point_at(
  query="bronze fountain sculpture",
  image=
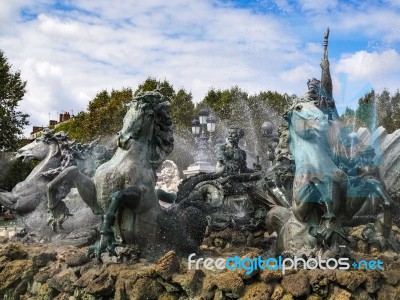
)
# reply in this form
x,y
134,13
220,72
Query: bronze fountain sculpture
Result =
x,y
312,193
122,189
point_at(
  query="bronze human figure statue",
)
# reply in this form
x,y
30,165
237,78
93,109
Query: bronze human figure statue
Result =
x,y
231,159
224,196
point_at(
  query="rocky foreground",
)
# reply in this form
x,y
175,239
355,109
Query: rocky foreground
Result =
x,y
48,271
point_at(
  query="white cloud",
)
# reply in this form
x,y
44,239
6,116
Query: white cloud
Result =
x,y
359,72
9,9
284,5
360,19
300,73
367,65
378,23
318,5
314,48
395,3
57,28
68,56
45,70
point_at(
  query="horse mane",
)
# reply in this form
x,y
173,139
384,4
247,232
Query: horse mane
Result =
x,y
162,142
49,135
90,155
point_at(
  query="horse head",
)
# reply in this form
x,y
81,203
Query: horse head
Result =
x,y
40,148
148,122
306,120
139,118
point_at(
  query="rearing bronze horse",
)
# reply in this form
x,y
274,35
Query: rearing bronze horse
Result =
x,y
123,188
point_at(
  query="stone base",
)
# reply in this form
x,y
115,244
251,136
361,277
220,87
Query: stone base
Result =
x,y
198,168
33,271
230,239
10,231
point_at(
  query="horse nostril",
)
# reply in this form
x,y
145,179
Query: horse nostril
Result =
x,y
118,133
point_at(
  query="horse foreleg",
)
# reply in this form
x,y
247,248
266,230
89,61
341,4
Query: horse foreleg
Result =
x,y
107,242
8,200
307,198
339,192
86,189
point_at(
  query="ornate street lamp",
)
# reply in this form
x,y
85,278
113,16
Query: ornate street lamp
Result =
x,y
204,124
211,120
202,128
195,127
203,114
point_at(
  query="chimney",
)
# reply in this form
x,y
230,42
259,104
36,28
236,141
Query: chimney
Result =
x,y
66,116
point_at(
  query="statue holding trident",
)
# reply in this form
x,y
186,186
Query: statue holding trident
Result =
x,y
320,91
325,90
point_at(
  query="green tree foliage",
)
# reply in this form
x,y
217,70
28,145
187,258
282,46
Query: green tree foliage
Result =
x,y
103,119
17,172
274,100
366,111
388,109
182,109
395,102
12,121
349,116
151,84
106,113
229,106
348,119
349,112
222,102
234,106
375,109
385,110
265,107
75,127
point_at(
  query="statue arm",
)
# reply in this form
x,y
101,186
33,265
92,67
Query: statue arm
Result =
x,y
326,89
326,80
220,152
221,159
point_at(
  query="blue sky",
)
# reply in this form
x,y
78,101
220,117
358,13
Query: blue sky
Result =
x,y
70,50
